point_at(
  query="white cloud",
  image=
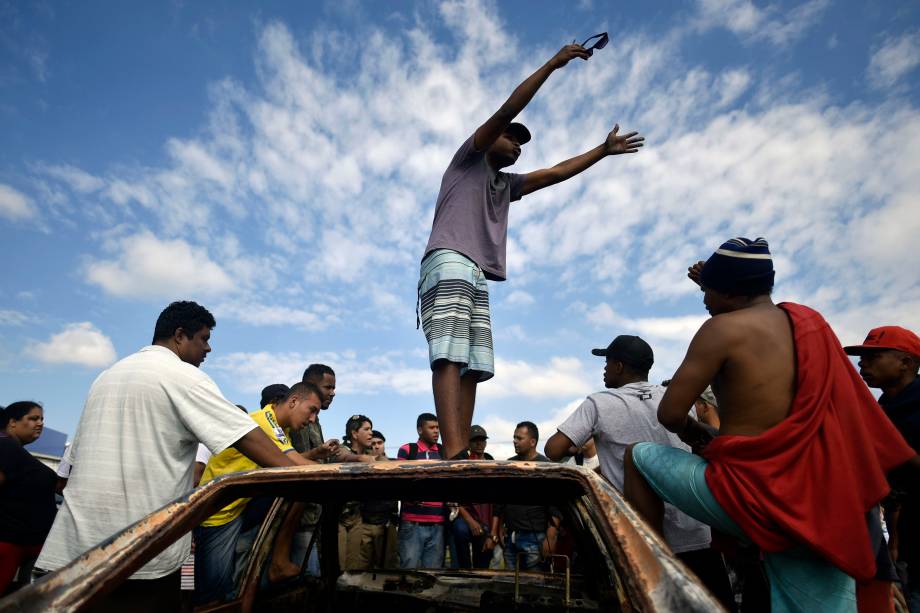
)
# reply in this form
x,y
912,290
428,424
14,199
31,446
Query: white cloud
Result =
x,y
76,178
146,266
558,377
377,373
273,315
15,205
78,343
9,317
745,19
897,56
518,298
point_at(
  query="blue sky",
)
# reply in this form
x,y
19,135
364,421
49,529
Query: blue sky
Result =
x,y
279,164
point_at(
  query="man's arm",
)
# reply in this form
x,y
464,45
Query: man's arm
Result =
x,y
327,449
558,447
704,358
256,446
488,133
614,145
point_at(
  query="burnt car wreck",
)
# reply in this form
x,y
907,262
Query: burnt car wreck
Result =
x,y
621,565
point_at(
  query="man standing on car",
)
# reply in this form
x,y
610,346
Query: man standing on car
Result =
x,y
467,246
134,451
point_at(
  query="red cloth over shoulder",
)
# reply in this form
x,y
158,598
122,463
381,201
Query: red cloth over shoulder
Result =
x,y
811,478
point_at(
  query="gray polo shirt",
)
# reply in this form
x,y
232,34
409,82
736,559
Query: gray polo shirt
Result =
x,y
621,416
471,215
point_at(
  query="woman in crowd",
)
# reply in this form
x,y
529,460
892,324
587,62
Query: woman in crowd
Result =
x,y
358,433
26,489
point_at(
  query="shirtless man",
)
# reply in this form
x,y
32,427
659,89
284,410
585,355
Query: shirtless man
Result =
x,y
798,436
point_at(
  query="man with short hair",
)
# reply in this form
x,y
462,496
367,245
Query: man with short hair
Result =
x,y
216,537
889,359
471,528
467,246
531,530
378,520
627,412
134,451
800,436
421,524
378,446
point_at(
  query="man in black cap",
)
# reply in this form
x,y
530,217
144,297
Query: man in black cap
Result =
x,y
626,412
467,246
470,530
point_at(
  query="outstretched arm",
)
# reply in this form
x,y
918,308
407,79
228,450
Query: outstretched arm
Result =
x,y
614,145
489,132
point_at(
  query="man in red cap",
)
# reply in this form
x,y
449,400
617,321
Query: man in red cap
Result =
x,y
467,246
889,359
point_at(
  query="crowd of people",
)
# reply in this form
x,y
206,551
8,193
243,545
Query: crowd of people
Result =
x,y
765,455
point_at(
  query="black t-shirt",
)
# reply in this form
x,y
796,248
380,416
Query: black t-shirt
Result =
x,y
904,412
26,497
525,517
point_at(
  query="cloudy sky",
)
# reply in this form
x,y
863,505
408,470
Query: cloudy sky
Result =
x,y
279,164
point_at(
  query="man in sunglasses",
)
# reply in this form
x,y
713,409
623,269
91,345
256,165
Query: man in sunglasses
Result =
x,y
467,246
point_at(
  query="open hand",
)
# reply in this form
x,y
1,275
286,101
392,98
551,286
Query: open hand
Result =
x,y
695,271
567,54
628,143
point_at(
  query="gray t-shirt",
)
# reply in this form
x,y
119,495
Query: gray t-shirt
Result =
x,y
625,415
471,215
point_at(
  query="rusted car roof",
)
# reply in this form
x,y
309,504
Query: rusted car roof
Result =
x,y
652,578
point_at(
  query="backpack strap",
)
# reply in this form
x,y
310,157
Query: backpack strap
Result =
x,y
413,451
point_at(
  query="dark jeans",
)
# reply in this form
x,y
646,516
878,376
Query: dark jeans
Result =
x,y
707,564
464,541
143,596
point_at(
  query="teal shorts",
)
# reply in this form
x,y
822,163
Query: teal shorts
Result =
x,y
455,315
799,579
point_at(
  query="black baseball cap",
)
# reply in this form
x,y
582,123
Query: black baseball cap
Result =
x,y
478,432
520,131
272,392
631,350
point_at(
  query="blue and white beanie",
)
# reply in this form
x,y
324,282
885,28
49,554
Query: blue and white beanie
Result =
x,y
741,267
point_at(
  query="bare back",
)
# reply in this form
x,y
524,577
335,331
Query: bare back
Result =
x,y
755,385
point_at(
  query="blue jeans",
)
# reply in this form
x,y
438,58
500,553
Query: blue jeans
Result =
x,y
463,541
799,579
528,543
421,545
299,551
214,560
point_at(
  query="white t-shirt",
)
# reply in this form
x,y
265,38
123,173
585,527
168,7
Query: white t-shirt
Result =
x,y
134,452
589,463
621,416
66,464
203,454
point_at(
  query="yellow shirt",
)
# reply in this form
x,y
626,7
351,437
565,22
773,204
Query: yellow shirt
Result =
x,y
232,461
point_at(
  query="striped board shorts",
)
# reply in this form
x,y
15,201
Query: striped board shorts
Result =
x,y
455,317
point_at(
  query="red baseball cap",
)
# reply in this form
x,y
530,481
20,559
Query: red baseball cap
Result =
x,y
888,337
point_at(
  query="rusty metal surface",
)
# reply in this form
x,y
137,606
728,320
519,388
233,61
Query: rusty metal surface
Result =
x,y
650,578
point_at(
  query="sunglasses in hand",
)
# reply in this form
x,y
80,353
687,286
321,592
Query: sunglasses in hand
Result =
x,y
598,41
